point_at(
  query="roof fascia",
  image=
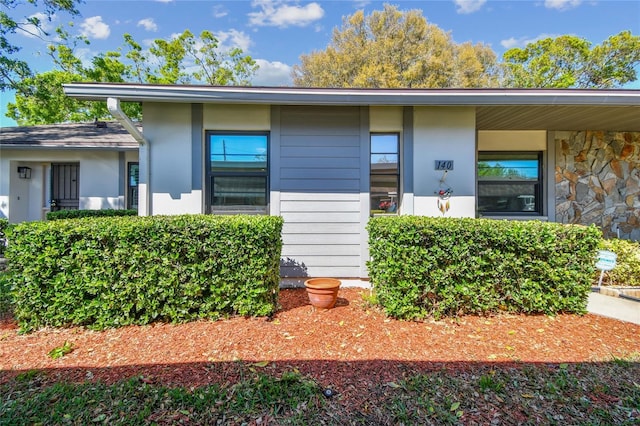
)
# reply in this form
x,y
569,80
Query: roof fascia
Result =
x,y
315,96
21,147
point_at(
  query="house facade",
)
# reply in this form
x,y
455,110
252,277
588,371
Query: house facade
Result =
x,y
66,166
327,160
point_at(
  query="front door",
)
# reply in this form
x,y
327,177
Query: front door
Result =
x,y
64,186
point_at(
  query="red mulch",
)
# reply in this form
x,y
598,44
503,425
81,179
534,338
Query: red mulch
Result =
x,y
347,347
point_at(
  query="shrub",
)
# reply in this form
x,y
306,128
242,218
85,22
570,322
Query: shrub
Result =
x,y
106,272
423,266
4,224
77,214
627,269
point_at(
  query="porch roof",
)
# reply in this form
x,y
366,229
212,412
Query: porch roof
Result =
x,y
496,109
108,136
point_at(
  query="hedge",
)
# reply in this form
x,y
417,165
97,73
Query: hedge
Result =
x,y
108,272
77,214
627,269
439,267
4,224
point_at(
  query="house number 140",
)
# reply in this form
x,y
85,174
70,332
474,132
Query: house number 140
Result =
x,y
444,164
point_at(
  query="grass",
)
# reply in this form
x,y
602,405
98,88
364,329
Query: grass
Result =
x,y
601,393
583,393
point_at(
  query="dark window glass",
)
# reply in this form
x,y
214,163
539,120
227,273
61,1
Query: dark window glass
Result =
x,y
385,173
132,185
238,177
510,183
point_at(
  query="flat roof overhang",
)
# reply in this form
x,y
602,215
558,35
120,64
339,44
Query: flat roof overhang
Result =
x,y
496,109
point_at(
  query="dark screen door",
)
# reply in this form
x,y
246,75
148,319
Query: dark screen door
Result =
x,y
64,186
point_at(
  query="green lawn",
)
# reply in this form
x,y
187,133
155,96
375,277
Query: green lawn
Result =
x,y
585,393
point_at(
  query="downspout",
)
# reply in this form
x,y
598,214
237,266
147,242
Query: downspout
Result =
x,y
113,105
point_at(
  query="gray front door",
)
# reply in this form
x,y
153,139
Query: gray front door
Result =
x,y
64,186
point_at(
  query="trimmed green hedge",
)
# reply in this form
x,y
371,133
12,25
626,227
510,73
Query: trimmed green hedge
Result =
x,y
438,267
4,224
627,270
108,272
77,214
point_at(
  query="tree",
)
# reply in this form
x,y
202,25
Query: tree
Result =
x,y
395,49
571,62
13,70
182,59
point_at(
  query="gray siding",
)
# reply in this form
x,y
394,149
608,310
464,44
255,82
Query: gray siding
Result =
x,y
319,191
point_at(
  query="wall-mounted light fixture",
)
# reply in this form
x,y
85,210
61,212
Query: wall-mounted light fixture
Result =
x,y
24,172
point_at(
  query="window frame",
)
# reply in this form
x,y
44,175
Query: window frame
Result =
x,y
538,183
132,190
210,174
397,174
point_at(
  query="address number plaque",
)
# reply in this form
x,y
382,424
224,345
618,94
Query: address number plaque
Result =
x,y
444,164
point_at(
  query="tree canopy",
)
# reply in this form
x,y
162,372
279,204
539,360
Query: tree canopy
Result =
x,y
184,59
395,49
12,69
571,62
400,49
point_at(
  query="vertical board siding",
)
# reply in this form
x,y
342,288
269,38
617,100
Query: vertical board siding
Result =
x,y
320,191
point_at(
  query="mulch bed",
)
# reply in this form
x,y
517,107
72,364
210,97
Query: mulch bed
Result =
x,y
348,348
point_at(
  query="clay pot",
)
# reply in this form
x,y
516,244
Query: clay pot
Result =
x,y
322,292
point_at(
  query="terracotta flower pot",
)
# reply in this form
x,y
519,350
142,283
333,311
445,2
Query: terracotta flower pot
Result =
x,y
322,292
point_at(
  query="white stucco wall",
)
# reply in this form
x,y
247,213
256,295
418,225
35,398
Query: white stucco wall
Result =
x,y
237,117
28,199
385,119
167,127
96,192
512,140
444,133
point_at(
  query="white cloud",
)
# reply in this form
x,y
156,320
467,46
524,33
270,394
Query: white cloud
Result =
x,y
94,28
148,24
272,74
31,31
277,13
233,38
561,4
219,11
360,4
465,7
523,41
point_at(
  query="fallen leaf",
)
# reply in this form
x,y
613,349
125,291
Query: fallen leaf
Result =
x,y
261,364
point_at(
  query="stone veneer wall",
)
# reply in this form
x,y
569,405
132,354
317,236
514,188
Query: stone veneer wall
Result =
x,y
598,181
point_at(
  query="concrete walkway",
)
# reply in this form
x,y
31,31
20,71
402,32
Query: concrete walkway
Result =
x,y
614,307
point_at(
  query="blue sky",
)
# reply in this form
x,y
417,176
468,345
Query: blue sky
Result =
x,y
276,32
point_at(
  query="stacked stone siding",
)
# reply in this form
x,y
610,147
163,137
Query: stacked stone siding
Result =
x,y
598,181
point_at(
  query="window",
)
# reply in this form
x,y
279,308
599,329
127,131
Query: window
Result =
x,y
385,172
510,183
133,178
237,170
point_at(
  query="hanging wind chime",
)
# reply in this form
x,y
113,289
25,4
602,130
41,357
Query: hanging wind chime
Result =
x,y
444,195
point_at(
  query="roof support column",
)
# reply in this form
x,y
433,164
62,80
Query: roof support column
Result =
x,y
144,198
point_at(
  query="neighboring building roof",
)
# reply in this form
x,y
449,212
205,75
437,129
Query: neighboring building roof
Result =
x,y
108,135
496,109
